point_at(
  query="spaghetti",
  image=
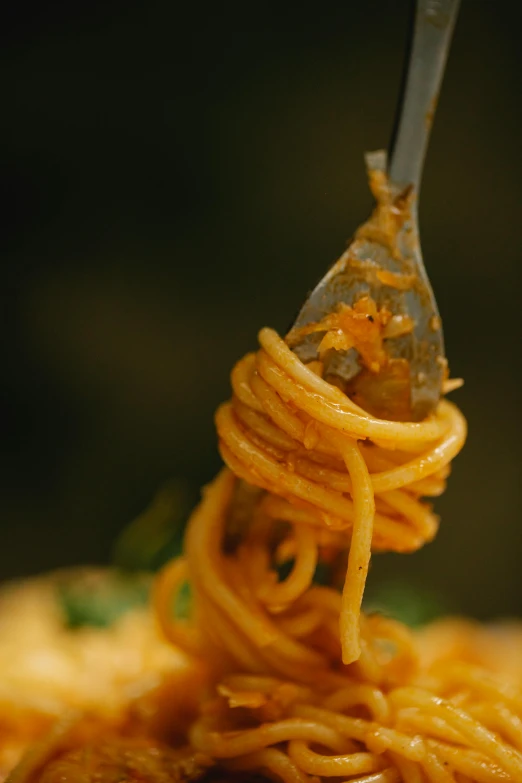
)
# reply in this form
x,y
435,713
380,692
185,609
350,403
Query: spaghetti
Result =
x,y
302,685
297,684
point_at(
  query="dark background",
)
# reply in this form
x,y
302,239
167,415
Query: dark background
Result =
x,y
175,179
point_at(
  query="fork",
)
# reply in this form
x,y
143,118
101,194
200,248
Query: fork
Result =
x,y
383,266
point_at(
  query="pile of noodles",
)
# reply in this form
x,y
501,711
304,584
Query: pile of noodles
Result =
x,y
48,669
298,684
302,686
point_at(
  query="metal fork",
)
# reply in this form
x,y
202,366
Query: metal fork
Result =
x,y
363,269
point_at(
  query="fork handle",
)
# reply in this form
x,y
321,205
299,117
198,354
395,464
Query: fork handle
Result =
x,y
429,47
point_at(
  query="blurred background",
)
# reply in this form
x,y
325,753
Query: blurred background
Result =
x,y
175,179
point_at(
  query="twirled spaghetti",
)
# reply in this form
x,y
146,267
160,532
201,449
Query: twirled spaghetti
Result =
x,y
295,683
298,437
302,686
